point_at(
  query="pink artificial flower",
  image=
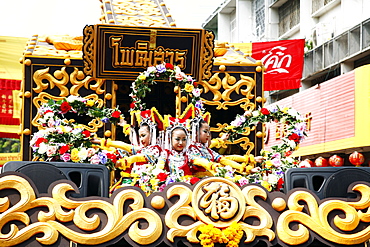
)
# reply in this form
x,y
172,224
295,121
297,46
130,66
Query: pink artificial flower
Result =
x,y
243,181
179,76
90,152
51,150
95,159
161,188
65,157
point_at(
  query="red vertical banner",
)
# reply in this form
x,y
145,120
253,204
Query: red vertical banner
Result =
x,y
6,110
7,114
283,61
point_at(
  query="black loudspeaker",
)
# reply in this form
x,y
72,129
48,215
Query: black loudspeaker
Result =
x,y
326,182
91,179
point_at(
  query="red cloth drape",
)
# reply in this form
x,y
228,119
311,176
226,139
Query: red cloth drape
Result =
x,y
283,60
6,105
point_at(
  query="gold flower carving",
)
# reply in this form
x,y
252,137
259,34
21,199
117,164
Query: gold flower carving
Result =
x,y
229,84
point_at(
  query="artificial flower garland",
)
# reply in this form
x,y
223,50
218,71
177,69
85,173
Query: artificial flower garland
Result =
x,y
165,71
279,159
80,106
230,236
151,179
66,141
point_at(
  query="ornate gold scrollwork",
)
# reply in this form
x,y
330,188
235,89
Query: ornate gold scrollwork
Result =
x,y
88,49
317,218
212,201
221,99
244,141
43,97
208,55
60,79
182,207
63,210
97,86
255,210
78,80
230,85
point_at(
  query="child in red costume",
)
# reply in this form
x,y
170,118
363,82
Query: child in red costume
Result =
x,y
174,157
203,156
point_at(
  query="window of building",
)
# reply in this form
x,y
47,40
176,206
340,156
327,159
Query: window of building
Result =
x,y
233,27
289,16
259,9
318,4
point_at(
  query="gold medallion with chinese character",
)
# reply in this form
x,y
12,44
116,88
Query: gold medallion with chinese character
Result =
x,y
218,201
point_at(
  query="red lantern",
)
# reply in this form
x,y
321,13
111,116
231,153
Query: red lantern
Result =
x,y
321,162
336,160
312,164
356,158
304,164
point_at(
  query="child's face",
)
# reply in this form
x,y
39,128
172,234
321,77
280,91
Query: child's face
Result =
x,y
144,136
178,139
204,133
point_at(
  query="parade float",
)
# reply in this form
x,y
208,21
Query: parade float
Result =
x,y
64,191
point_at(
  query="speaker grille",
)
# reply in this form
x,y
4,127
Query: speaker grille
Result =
x,y
42,174
337,184
91,179
326,181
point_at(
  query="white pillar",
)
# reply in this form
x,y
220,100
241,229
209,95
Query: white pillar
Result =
x,y
346,67
272,24
307,23
244,21
223,27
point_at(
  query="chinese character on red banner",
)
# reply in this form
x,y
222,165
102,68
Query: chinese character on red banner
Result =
x,y
8,113
6,108
283,60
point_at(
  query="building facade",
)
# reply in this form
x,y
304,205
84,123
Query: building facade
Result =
x,y
337,33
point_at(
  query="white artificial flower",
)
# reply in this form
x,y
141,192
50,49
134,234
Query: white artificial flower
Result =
x,y
291,144
156,171
151,69
272,179
49,115
290,160
196,92
293,112
255,113
72,98
42,148
82,154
